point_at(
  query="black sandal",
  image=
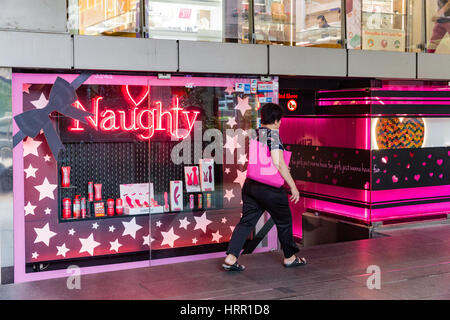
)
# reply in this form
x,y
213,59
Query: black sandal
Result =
x,y
233,267
296,263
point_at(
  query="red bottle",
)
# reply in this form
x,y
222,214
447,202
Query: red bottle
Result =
x,y
76,207
83,208
90,191
119,206
65,175
98,191
110,207
67,208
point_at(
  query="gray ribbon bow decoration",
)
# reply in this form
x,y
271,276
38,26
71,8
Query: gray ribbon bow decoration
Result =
x,y
62,96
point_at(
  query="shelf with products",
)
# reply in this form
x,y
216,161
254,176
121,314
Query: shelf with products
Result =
x,y
107,177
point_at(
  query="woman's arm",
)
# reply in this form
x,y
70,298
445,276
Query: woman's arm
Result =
x,y
280,164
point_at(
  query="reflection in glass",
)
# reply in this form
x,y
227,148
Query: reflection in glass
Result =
x,y
438,26
301,22
108,17
211,20
391,25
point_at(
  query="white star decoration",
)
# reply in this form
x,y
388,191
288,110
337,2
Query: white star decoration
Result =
x,y
158,224
46,190
224,220
194,241
62,250
71,232
35,255
169,237
227,170
41,103
216,236
88,244
147,240
231,122
44,234
131,228
30,146
47,158
242,159
184,223
241,175
30,172
201,222
111,228
232,144
232,228
242,105
95,225
29,209
229,90
48,211
115,245
229,194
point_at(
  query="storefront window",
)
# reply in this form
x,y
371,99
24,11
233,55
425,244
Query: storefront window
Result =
x,y
154,173
438,26
105,17
211,20
388,25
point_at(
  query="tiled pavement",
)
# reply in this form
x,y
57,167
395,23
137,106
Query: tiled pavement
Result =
x,y
415,264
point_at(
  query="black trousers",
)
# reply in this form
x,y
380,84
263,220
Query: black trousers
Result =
x,y
257,198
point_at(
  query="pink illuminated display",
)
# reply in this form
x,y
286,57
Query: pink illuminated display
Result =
x,y
332,131
138,119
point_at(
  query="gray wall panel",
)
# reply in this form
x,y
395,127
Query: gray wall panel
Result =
x,y
307,61
37,15
35,50
365,63
113,53
433,66
223,57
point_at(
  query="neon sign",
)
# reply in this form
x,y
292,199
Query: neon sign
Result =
x,y
143,121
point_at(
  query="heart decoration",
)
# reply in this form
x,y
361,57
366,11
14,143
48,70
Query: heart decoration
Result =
x,y
394,179
441,176
439,162
384,159
141,97
417,177
431,174
395,134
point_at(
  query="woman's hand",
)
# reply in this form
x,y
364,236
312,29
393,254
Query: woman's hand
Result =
x,y
295,195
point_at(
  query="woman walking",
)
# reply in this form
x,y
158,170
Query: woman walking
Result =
x,y
258,197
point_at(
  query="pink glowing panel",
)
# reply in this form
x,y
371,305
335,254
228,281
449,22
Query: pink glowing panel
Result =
x,y
403,212
358,213
410,193
328,132
384,102
334,191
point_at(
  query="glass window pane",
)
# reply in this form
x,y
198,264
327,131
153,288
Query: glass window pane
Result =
x,y
438,26
211,20
298,22
390,25
319,23
108,17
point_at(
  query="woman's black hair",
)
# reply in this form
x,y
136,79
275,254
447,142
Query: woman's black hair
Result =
x,y
271,112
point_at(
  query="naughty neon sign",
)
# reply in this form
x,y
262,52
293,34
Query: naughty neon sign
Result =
x,y
174,121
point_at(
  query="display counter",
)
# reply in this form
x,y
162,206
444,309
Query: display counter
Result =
x,y
375,155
